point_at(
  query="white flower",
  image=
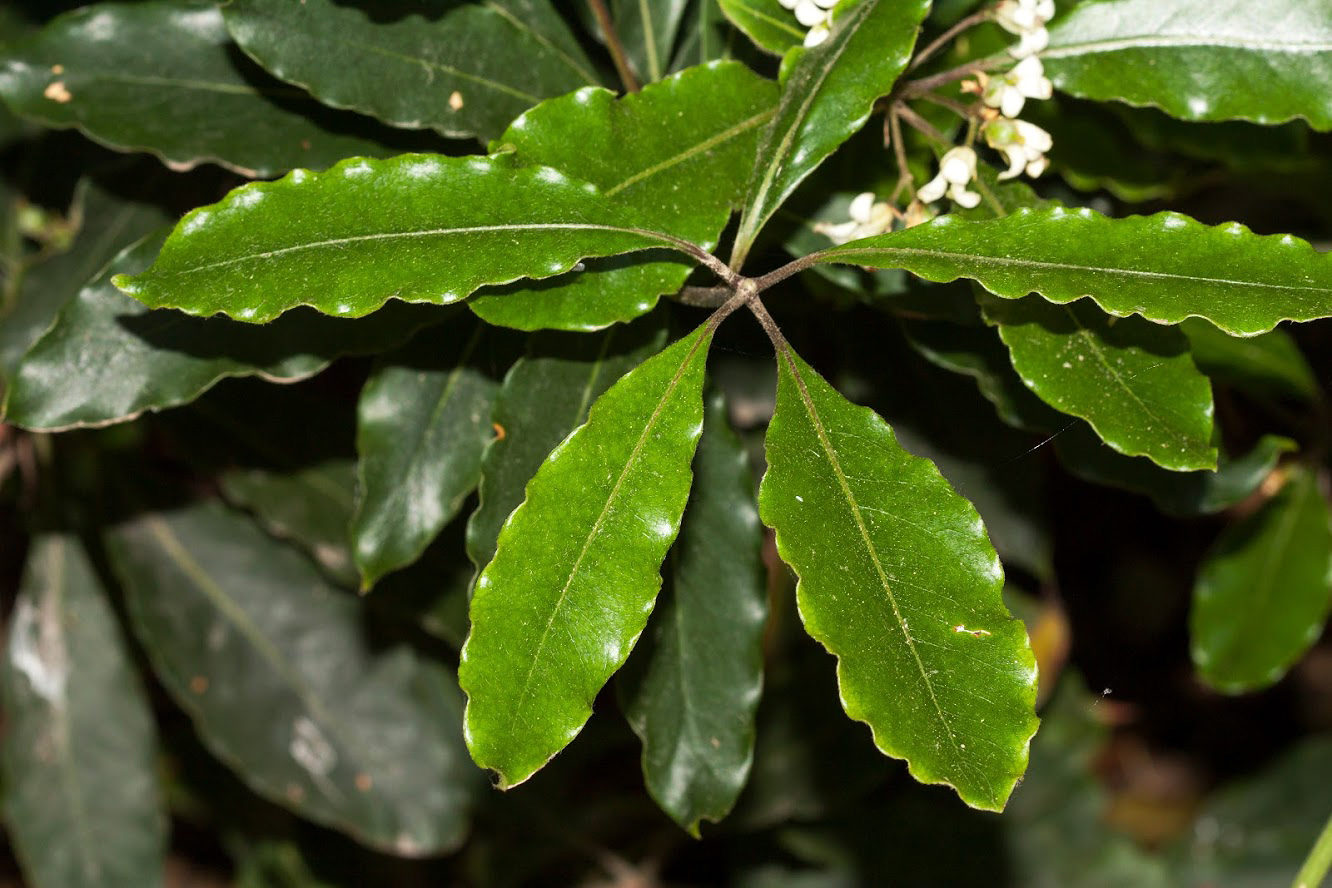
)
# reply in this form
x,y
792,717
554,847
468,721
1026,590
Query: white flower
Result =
x,y
816,35
868,218
815,15
956,170
1010,92
1026,19
1022,144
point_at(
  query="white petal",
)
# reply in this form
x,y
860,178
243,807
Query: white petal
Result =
x,y
862,206
808,13
1045,9
1037,166
827,4
1033,137
1016,161
816,35
964,198
1031,42
838,233
958,166
788,4
1010,104
933,189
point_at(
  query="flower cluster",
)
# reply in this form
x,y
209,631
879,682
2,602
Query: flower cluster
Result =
x,y
815,15
1026,19
868,218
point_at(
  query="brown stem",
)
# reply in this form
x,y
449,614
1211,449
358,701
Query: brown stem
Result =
x,y
914,89
921,125
962,109
704,297
904,177
942,40
613,43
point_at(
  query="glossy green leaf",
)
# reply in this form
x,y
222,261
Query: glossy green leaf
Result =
x,y
1264,591
461,69
418,227
1267,364
766,23
898,580
347,738
827,94
1132,380
575,573
1165,267
544,397
423,422
82,802
692,686
647,29
163,76
651,151
1200,59
108,224
108,358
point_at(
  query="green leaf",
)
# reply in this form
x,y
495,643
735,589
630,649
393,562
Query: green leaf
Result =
x,y
1263,592
647,28
1165,267
765,22
423,421
827,94
648,150
463,70
163,76
82,802
575,573
108,358
898,580
347,738
692,686
1200,59
107,225
704,36
1268,364
348,240
1132,380
544,397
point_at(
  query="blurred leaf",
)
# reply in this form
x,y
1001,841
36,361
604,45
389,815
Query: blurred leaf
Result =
x,y
107,358
238,624
107,225
423,422
347,240
705,36
827,94
648,150
1255,832
647,28
82,802
766,23
1263,592
1199,59
1132,380
461,69
543,398
692,686
1165,267
163,76
575,572
1267,364
910,604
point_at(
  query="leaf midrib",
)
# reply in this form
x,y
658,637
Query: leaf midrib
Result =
x,y
1182,41
691,152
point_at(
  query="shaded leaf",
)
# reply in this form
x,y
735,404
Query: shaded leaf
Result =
x,y
1263,592
766,23
575,572
544,397
827,94
107,225
348,240
423,422
108,358
647,28
1267,364
1165,267
349,739
898,580
651,151
461,69
1199,59
163,76
705,36
1132,380
82,802
691,688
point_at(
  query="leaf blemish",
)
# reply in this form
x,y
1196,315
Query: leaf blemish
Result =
x,y
974,633
456,100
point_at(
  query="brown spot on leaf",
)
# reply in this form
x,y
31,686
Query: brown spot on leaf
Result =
x,y
57,70
58,92
364,783
500,434
199,684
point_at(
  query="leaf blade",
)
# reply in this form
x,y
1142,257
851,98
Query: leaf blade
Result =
x,y
982,644
1123,264
619,483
